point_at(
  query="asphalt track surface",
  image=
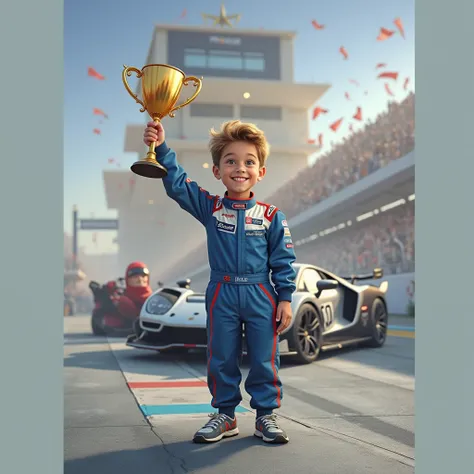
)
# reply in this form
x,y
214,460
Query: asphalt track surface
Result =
x,y
351,412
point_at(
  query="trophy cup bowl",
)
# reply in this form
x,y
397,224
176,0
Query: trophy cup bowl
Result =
x,y
161,87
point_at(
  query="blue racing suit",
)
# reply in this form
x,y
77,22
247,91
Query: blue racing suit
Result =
x,y
246,240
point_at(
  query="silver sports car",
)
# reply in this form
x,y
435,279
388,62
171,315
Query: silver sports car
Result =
x,y
329,312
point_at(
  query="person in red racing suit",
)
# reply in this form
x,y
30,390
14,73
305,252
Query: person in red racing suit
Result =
x,y
137,278
247,240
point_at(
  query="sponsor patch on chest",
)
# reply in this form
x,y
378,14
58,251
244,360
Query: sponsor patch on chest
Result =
x,y
255,233
227,227
253,220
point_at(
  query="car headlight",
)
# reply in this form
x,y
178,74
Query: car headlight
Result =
x,y
158,304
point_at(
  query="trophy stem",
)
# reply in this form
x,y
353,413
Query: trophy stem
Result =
x,y
148,167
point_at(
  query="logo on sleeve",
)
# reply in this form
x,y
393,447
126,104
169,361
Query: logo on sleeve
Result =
x,y
287,232
270,210
284,223
289,246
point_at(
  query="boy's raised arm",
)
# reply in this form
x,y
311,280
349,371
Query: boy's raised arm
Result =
x,y
188,194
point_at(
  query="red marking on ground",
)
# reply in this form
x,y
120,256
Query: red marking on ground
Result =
x,y
170,384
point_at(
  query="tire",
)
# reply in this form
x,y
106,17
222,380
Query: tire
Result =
x,y
379,321
96,325
306,334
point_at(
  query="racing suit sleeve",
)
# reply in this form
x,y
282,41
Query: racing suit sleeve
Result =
x,y
188,194
281,257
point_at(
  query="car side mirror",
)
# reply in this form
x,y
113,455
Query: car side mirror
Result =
x,y
378,273
184,283
327,285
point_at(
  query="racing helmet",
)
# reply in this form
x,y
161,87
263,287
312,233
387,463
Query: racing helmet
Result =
x,y
137,268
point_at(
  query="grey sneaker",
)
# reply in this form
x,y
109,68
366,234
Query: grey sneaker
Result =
x,y
218,427
266,427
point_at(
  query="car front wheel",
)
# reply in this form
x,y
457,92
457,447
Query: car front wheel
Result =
x,y
306,334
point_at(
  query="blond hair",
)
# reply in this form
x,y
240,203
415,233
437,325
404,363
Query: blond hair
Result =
x,y
237,131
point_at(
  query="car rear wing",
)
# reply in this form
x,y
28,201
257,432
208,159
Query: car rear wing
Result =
x,y
375,275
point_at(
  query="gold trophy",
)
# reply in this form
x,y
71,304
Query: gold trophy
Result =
x,y
161,87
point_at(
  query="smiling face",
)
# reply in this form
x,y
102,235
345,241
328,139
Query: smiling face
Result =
x,y
239,169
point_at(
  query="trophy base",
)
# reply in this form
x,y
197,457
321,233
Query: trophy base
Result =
x,y
149,169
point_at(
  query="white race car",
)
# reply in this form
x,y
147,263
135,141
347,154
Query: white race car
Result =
x,y
329,312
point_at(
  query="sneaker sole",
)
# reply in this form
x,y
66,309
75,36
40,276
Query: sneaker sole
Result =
x,y
201,439
279,439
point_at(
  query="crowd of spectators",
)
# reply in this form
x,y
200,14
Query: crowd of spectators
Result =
x,y
389,137
386,241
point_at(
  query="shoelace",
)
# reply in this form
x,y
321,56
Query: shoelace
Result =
x,y
215,419
269,421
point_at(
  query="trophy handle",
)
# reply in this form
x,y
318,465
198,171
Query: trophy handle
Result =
x,y
197,84
127,71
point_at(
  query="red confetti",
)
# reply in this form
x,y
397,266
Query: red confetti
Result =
x,y
343,51
317,26
399,25
318,111
100,112
384,34
389,92
358,114
334,126
93,73
388,75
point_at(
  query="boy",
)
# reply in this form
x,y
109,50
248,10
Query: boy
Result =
x,y
246,239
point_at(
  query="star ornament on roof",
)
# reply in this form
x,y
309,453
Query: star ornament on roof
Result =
x,y
223,19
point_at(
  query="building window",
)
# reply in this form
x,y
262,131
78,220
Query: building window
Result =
x,y
256,112
254,62
225,60
195,58
212,110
